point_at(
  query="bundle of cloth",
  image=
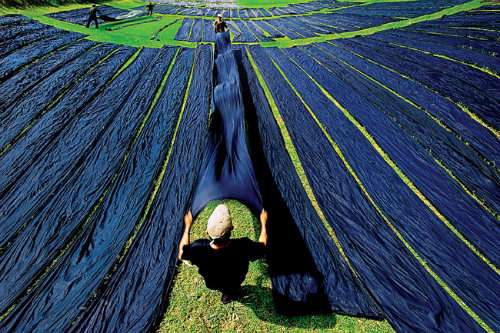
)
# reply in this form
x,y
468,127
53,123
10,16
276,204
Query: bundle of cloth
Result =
x,y
227,171
132,14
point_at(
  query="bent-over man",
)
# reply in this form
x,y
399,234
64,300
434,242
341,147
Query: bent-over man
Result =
x,y
221,261
93,16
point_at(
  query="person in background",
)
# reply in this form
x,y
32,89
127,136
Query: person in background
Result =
x,y
222,261
219,25
93,16
150,8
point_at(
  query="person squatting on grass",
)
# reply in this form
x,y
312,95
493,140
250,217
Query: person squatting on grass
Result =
x,y
150,8
220,25
221,261
93,16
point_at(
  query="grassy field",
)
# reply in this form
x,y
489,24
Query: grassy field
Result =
x,y
193,307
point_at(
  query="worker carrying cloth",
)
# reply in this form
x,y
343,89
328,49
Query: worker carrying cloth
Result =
x,y
220,25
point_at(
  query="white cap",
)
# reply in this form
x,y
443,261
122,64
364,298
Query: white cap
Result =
x,y
219,224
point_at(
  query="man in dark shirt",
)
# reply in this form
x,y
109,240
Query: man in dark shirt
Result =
x,y
219,25
223,262
93,16
150,8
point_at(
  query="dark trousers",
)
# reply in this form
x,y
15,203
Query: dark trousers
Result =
x,y
227,288
92,19
150,13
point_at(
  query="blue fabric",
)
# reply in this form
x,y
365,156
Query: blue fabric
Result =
x,y
24,151
403,209
465,55
257,31
278,25
270,30
468,216
183,32
196,30
400,9
60,218
90,150
16,60
11,45
434,34
27,78
13,19
208,31
136,296
50,170
297,28
227,170
248,35
94,252
80,16
465,164
380,259
437,105
306,268
21,113
19,29
467,33
484,101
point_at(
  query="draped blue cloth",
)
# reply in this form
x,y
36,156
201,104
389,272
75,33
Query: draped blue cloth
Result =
x,y
227,171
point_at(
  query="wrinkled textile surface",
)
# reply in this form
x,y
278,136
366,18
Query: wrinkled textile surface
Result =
x,y
135,298
332,184
39,243
80,16
28,77
307,269
376,157
227,170
95,252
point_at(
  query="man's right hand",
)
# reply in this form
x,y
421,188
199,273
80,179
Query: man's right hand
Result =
x,y
263,217
263,231
188,219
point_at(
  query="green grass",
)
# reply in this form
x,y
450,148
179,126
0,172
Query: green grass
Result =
x,y
137,36
193,307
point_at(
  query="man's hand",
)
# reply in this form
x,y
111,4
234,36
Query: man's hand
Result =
x,y
263,231
263,217
188,221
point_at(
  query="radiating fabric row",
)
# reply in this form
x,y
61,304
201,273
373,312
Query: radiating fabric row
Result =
x,y
235,12
252,31
89,148
397,133
369,228
402,8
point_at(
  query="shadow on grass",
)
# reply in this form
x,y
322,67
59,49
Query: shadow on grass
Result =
x,y
125,22
260,301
